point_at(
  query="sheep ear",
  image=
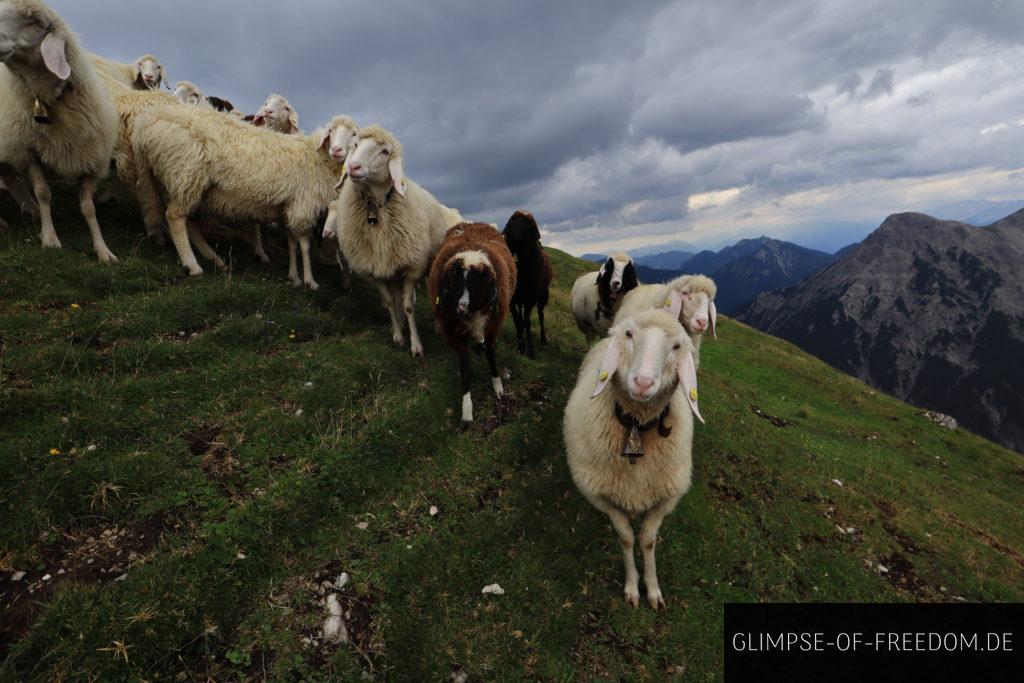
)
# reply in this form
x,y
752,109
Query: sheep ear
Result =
x,y
610,364
714,319
54,56
324,138
688,380
137,70
675,303
397,175
293,120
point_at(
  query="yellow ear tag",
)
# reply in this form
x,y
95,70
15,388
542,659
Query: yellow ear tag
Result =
x,y
603,376
668,303
693,394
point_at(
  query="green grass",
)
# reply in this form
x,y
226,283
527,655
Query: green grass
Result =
x,y
189,391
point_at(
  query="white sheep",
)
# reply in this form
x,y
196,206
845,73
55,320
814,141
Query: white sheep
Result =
x,y
276,114
212,164
596,296
389,228
689,298
628,431
145,73
54,112
188,93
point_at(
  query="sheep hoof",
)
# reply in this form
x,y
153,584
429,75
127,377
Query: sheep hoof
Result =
x,y
633,597
106,256
656,601
465,425
195,272
398,338
296,281
51,242
417,350
263,258
312,285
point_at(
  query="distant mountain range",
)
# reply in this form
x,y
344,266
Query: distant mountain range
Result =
x,y
928,310
743,270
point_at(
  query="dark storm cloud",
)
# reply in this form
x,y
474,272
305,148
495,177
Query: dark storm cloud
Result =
x,y
606,117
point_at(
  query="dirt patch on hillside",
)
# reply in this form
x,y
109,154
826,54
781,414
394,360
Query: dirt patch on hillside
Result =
x,y
97,556
987,539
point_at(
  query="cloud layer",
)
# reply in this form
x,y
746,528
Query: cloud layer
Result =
x,y
624,124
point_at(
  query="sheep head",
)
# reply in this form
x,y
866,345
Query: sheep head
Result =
x,y
188,93
648,357
377,159
277,113
691,299
521,231
617,275
30,34
149,72
468,285
338,138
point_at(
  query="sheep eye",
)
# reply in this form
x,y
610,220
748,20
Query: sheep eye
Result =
x,y
677,347
386,152
629,334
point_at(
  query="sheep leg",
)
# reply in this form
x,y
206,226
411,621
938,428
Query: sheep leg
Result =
x,y
517,320
346,278
152,213
527,325
86,189
408,305
21,194
466,372
177,224
203,246
543,329
387,298
492,360
625,532
48,236
257,244
293,264
307,265
648,539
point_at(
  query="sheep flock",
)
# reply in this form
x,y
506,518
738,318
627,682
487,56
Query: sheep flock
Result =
x,y
193,161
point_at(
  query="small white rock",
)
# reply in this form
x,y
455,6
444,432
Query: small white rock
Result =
x,y
309,385
121,578
334,628
837,483
883,569
342,580
363,525
17,576
299,412
91,447
60,571
850,530
493,589
47,577
434,511
240,556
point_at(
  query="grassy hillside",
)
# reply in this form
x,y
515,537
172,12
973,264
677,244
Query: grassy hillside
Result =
x,y
158,468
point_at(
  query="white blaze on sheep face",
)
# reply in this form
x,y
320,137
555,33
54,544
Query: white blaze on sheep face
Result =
x,y
375,164
19,34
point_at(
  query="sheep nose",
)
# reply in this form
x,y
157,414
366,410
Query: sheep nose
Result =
x,y
643,384
616,285
700,323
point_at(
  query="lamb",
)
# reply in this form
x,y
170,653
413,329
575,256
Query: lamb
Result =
x,y
145,73
205,162
54,112
690,299
471,283
389,228
596,296
628,433
535,274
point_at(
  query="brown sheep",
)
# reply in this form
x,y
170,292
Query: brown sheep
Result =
x,y
471,283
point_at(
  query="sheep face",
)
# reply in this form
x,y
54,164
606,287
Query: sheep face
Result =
x,y
188,93
149,72
376,160
339,138
521,231
693,308
468,286
648,357
278,114
618,274
26,36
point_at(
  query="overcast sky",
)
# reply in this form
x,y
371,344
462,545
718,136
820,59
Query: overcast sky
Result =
x,y
627,124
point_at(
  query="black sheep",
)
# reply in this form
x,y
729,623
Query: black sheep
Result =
x,y
534,275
